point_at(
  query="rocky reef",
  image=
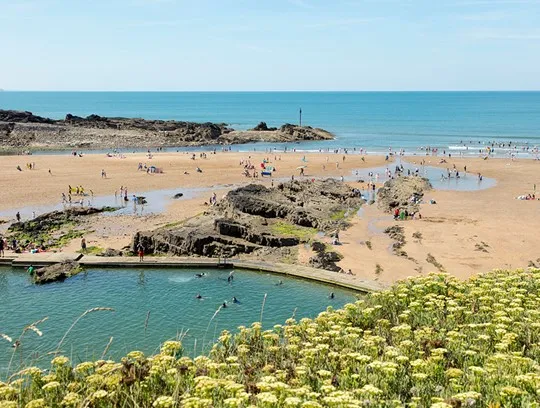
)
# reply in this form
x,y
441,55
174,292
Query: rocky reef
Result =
x,y
52,229
403,192
56,272
256,220
286,133
20,129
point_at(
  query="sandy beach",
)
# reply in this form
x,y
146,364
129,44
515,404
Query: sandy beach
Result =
x,y
465,233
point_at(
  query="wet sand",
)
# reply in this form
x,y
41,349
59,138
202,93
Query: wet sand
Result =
x,y
466,232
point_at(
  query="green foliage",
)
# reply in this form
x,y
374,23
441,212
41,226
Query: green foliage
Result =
x,y
430,341
290,230
66,238
91,250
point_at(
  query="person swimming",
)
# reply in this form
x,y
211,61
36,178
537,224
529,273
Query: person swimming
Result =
x,y
235,300
198,296
200,275
332,296
279,283
224,305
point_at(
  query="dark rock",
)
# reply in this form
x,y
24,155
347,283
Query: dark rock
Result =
x,y
23,129
56,272
403,192
22,117
250,219
54,219
262,127
324,259
110,252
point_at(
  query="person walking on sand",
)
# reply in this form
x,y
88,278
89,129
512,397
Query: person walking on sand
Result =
x,y
83,245
140,250
103,174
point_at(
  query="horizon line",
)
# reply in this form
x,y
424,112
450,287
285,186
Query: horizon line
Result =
x,y
273,91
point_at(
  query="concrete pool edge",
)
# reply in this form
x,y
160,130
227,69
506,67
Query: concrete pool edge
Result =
x,y
305,272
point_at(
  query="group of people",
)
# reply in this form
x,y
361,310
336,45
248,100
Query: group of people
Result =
x,y
19,247
404,214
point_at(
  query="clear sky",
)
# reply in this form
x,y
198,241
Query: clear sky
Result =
x,y
270,45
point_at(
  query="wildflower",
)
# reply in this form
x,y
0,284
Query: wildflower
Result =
x,y
31,371
292,402
84,368
454,373
60,361
163,402
510,391
99,394
71,399
37,403
135,355
52,386
267,398
468,397
171,348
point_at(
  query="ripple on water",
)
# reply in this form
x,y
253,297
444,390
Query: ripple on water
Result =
x,y
163,298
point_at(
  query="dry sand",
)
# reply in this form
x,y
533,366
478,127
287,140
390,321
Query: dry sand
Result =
x,y
453,231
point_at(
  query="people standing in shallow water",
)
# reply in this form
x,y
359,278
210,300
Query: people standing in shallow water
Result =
x,y
18,216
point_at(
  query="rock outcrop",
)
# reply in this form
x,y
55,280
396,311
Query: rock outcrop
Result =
x,y
56,272
255,219
110,252
47,229
263,127
324,259
285,134
403,192
24,129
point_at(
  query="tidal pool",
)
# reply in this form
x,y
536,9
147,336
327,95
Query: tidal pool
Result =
x,y
150,306
466,181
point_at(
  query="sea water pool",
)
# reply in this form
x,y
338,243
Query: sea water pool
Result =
x,y
150,306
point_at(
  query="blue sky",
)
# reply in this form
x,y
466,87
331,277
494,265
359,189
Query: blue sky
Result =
x,y
270,45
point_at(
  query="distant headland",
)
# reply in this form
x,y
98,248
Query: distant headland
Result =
x,y
20,129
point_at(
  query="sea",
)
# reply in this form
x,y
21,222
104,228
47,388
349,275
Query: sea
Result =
x,y
460,122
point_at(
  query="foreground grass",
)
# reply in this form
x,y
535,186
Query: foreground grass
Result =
x,y
427,342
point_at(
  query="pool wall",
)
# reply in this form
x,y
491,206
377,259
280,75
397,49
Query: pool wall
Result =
x,y
300,271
